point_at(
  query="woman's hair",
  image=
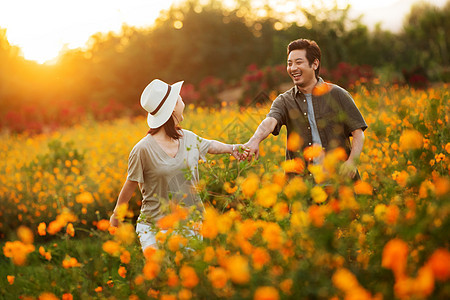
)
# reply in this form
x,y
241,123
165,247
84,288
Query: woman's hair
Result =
x,y
172,130
312,51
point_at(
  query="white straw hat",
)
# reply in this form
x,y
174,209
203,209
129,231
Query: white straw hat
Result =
x,y
159,100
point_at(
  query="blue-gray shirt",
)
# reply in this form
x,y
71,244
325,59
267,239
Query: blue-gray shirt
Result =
x,y
312,121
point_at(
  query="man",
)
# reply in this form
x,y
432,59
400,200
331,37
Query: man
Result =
x,y
319,118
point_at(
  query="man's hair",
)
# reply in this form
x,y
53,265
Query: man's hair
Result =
x,y
172,130
312,51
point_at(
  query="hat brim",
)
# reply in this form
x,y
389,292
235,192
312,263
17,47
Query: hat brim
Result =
x,y
161,117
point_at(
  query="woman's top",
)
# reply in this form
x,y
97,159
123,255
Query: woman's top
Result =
x,y
163,178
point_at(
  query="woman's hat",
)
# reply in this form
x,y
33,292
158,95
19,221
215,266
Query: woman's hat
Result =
x,y
159,100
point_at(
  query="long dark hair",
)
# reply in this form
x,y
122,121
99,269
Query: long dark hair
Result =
x,y
172,130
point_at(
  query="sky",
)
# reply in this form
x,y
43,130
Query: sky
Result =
x,y
42,28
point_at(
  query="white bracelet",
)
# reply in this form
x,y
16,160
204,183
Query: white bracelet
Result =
x,y
233,147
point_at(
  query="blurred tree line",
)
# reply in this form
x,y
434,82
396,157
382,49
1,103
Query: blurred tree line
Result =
x,y
193,41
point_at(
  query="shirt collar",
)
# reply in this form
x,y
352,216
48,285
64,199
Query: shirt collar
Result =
x,y
297,90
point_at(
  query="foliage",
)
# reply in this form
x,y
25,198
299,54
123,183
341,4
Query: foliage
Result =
x,y
195,40
264,235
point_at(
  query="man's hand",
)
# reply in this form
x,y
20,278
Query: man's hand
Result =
x,y
253,148
240,152
113,221
348,168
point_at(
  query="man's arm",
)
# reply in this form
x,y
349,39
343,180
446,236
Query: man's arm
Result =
x,y
124,197
262,132
348,168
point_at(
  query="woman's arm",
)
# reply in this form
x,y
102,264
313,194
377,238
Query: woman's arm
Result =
x,y
124,197
218,148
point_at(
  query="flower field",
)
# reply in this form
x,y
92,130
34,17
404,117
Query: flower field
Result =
x,y
264,235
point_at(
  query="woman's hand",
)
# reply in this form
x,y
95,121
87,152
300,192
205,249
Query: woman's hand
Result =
x,y
240,152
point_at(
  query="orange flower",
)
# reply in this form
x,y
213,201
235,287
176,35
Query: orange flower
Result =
x,y
111,247
70,262
184,294
125,234
344,280
151,269
188,276
103,225
392,213
295,165
266,293
267,195
10,279
312,152
84,198
122,271
47,296
67,296
411,139
125,257
209,254
316,215
260,257
176,241
70,230
395,255
209,227
218,277
321,89
363,188
237,269
42,229
17,251
439,262
294,142
25,235
172,278
286,286
250,185
272,234
98,289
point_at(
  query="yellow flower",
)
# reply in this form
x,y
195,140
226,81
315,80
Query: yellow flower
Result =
x,y
209,226
25,235
250,185
272,234
295,165
175,242
267,195
295,186
318,194
125,234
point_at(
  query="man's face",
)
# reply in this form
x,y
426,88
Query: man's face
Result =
x,y
298,68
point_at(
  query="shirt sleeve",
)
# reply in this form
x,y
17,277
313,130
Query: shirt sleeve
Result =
x,y
353,117
135,167
278,111
203,146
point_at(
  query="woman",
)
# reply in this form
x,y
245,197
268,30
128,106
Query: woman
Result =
x,y
164,164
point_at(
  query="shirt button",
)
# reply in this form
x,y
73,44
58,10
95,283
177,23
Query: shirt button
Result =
x,y
310,174
309,127
304,100
310,144
304,114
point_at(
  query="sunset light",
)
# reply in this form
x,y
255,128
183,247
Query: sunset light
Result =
x,y
43,28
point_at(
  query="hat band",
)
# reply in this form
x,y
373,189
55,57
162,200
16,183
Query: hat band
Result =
x,y
162,101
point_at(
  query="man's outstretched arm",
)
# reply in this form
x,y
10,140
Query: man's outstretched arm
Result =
x,y
262,132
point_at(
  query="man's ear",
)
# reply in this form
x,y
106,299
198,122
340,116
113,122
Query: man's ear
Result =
x,y
315,64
